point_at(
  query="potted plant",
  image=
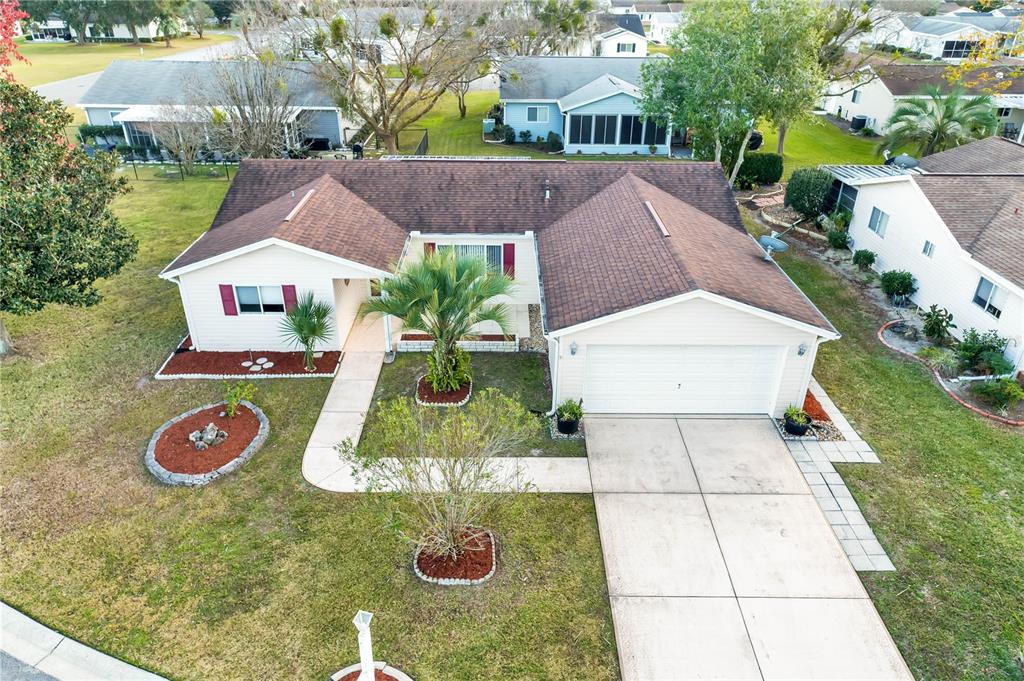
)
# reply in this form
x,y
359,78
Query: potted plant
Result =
x,y
569,414
797,421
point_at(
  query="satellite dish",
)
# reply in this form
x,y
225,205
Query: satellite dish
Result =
x,y
905,161
770,245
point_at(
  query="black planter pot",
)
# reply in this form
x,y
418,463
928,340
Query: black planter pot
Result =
x,y
794,428
568,427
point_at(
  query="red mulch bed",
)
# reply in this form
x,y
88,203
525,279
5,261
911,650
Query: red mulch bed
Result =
x,y
378,675
474,563
230,363
176,453
483,337
814,409
427,394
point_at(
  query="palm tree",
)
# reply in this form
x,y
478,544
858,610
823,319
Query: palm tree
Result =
x,y
307,324
935,121
444,296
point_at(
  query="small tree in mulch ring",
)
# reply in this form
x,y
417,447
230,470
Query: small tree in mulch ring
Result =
x,y
437,479
307,324
235,394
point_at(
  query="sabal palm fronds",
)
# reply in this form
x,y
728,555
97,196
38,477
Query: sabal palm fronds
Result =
x,y
307,324
936,121
444,296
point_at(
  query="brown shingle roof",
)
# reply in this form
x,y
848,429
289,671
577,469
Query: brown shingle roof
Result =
x,y
322,215
610,255
987,156
910,79
985,215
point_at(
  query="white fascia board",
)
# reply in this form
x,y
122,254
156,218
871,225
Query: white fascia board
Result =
x,y
528,101
273,241
867,181
474,236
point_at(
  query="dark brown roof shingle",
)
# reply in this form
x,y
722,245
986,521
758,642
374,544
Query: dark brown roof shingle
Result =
x,y
992,155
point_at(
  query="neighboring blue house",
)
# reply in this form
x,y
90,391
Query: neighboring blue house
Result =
x,y
592,103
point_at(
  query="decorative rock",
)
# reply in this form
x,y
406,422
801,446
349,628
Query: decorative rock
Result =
x,y
247,364
261,360
267,365
255,367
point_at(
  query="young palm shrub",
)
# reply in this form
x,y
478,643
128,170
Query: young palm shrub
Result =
x,y
435,469
444,296
307,324
935,121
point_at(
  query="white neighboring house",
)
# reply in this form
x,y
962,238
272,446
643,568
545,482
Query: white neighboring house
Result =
x,y
949,37
55,28
882,87
617,35
660,20
957,225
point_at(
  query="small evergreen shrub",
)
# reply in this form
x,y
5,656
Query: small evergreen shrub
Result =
x,y
554,142
974,344
525,135
510,134
863,258
1001,393
937,323
995,363
898,283
838,238
807,191
761,168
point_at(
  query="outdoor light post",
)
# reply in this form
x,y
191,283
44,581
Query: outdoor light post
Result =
x,y
362,622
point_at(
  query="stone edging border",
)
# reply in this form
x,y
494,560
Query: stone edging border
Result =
x,y
438,405
197,479
938,378
381,665
448,581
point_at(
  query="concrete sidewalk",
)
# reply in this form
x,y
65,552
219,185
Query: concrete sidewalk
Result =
x,y
53,655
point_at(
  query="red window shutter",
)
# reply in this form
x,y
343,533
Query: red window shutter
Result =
x,y
290,299
429,247
508,259
227,299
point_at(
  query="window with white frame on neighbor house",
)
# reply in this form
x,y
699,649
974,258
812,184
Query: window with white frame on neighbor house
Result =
x,y
878,222
929,249
259,299
491,254
537,114
855,96
958,49
989,297
1003,112
625,47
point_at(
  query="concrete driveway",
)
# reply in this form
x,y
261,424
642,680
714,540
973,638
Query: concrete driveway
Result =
x,y
720,563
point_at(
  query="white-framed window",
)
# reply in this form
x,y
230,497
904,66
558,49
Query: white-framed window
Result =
x,y
989,297
928,249
958,49
490,253
855,96
1003,112
878,222
537,114
625,47
259,299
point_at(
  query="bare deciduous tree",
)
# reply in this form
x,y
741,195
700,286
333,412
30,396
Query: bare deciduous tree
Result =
x,y
539,27
441,463
182,130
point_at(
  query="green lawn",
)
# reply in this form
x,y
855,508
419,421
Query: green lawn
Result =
x,y
256,576
522,374
816,141
56,61
947,502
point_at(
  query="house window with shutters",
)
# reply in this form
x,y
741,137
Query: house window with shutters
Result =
x,y
260,299
499,257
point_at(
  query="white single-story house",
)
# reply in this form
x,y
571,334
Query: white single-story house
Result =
x,y
880,88
617,35
957,225
950,37
660,20
56,29
638,278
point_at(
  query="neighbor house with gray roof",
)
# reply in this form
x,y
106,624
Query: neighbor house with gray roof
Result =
x,y
133,94
956,223
638,279
591,103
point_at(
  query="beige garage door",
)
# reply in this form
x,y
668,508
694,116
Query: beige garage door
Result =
x,y
681,379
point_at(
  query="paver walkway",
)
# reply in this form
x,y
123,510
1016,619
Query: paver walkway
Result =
x,y
720,563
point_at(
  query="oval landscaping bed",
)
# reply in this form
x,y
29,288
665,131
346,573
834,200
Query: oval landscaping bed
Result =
x,y
173,458
475,566
426,396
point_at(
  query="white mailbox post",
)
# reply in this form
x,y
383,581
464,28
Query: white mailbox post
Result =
x,y
362,622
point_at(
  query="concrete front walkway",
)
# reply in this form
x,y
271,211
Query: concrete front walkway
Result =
x,y
47,654
720,563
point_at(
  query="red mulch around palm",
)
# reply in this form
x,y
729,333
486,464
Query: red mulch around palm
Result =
x,y
185,361
176,453
378,675
814,409
427,394
474,563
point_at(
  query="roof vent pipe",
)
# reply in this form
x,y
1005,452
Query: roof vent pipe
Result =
x,y
547,189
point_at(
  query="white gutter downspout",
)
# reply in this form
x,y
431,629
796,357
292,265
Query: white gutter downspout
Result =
x,y
554,374
544,323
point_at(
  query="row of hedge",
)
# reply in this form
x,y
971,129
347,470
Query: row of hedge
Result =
x,y
759,168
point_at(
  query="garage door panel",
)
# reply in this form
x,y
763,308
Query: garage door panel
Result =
x,y
697,379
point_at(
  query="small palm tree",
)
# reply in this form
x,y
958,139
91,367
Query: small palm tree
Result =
x,y
307,324
935,121
444,296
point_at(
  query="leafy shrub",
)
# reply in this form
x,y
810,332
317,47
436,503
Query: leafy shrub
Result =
x,y
937,323
525,135
838,238
570,411
841,218
234,394
807,191
863,258
940,359
995,363
1001,393
554,142
974,344
653,148
88,132
868,132
797,415
510,134
448,375
898,283
760,168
